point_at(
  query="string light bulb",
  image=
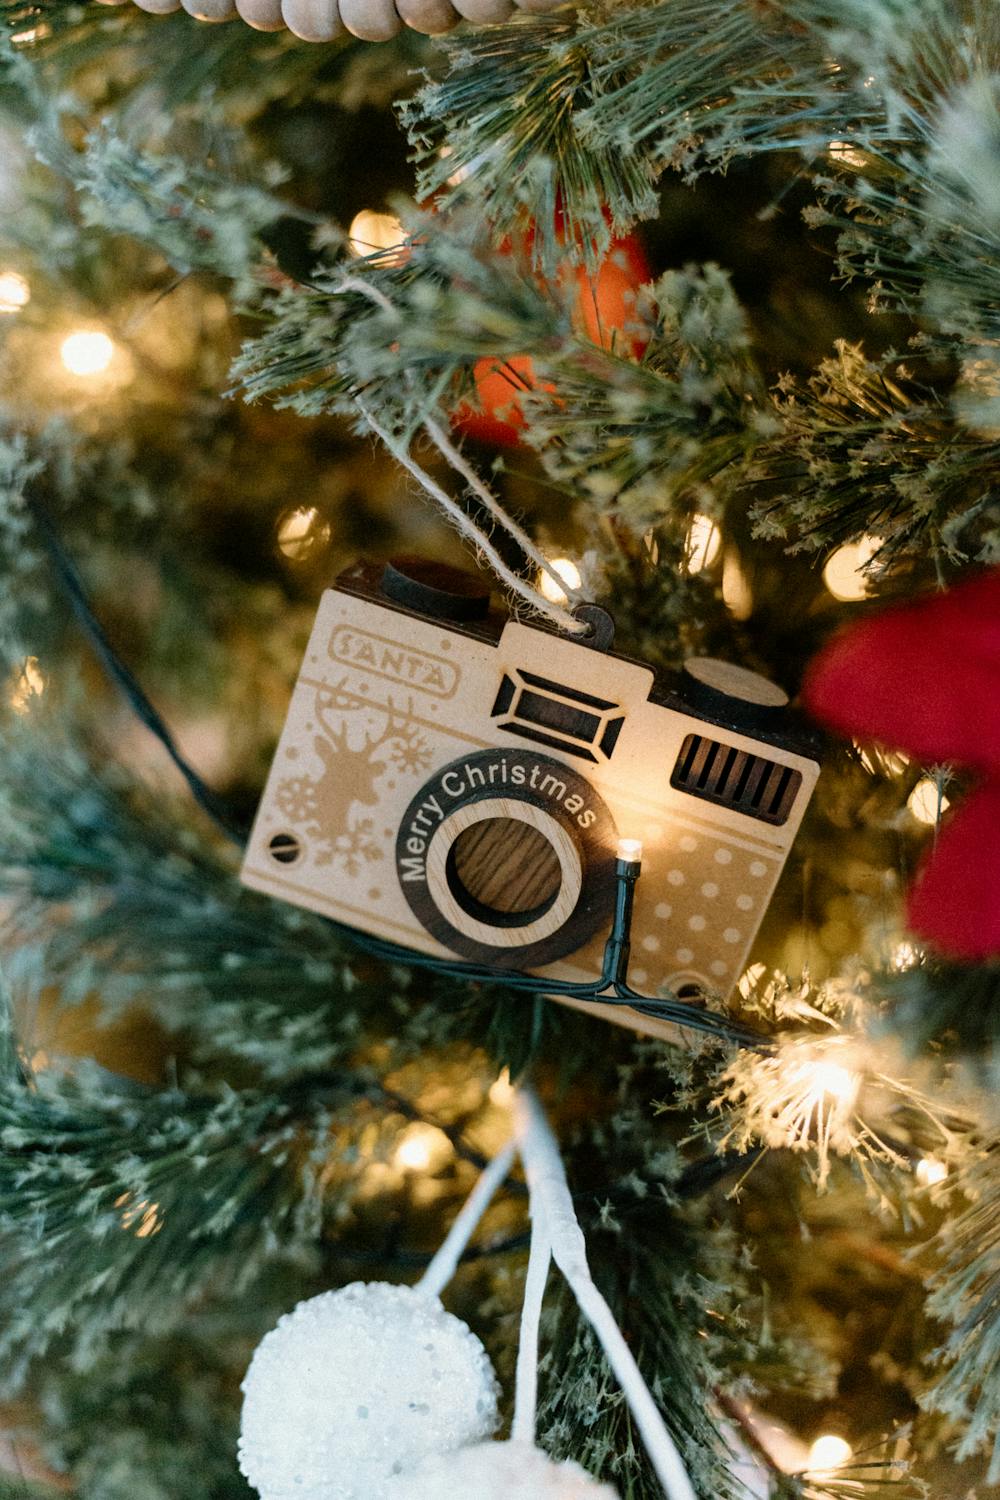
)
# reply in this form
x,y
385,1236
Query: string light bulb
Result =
x,y
28,684
844,573
878,761
422,1148
905,956
750,979
630,850
831,1080
15,292
827,1454
737,594
87,352
848,154
930,1171
568,572
301,533
927,801
371,233
460,173
703,542
502,1090
141,1216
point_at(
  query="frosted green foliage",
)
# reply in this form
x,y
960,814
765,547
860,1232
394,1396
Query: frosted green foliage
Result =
x,y
57,465
684,83
963,1295
648,438
158,916
127,184
864,448
868,1476
153,1418
918,217
194,218
118,1206
643,438
954,1008
895,109
19,553
403,338
518,88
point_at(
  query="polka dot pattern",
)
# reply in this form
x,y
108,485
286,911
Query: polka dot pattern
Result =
x,y
699,915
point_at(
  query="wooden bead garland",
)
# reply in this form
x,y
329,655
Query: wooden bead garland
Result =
x,y
369,20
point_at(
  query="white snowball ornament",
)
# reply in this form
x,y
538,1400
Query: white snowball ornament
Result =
x,y
357,1385
499,1471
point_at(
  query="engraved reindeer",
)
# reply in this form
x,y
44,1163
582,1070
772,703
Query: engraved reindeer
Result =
x,y
357,742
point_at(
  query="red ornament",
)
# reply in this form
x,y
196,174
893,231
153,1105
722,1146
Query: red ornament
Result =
x,y
925,677
603,307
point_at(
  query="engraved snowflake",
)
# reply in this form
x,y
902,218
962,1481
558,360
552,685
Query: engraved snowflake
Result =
x,y
352,848
411,751
297,799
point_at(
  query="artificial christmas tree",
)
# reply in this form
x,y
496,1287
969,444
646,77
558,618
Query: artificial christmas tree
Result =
x,y
249,288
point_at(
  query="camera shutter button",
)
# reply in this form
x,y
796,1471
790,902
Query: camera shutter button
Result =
x,y
714,684
436,589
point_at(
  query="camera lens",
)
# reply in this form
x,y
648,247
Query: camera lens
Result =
x,y
507,857
505,871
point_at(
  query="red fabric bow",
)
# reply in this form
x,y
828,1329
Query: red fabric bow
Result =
x,y
926,677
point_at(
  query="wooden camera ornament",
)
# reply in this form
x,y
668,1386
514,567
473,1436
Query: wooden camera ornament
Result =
x,y
462,784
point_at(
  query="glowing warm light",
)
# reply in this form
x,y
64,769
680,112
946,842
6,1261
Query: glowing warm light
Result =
x,y
142,1217
422,1148
828,1454
502,1090
930,1171
630,850
751,979
460,173
703,542
878,761
736,592
905,956
301,532
371,232
783,1447
844,573
568,572
29,683
830,1080
927,802
87,352
15,292
33,34
845,152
